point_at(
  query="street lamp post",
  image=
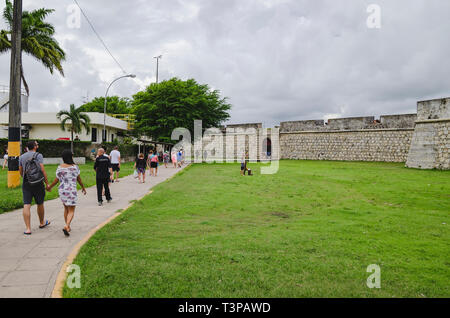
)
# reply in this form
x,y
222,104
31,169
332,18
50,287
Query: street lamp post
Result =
x,y
157,67
104,137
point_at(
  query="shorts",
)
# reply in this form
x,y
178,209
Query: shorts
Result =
x,y
242,166
141,170
115,167
29,192
153,164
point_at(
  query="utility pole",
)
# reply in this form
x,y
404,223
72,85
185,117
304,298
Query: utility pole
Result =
x,y
15,107
157,67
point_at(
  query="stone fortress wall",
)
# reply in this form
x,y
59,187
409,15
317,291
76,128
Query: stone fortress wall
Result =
x,y
349,139
430,148
421,139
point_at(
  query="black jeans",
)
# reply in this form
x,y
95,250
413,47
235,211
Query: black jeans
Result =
x,y
103,183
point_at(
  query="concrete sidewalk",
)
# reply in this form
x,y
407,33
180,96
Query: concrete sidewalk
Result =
x,y
29,265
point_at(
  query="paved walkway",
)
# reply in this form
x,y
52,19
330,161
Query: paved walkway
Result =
x,y
29,265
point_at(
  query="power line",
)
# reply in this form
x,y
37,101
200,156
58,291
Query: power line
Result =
x,y
99,37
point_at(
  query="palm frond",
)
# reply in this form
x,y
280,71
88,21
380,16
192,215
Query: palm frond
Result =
x,y
37,37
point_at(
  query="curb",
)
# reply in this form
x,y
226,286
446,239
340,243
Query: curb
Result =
x,y
62,275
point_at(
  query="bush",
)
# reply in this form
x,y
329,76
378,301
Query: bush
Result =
x,y
126,150
53,148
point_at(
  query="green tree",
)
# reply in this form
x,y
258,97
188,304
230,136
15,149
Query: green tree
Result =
x,y
114,105
175,103
37,39
76,120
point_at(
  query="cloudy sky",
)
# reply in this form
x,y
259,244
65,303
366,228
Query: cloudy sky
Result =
x,y
277,60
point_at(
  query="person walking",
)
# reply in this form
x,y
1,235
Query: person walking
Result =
x,y
183,159
32,170
115,162
179,158
153,158
150,154
174,159
103,170
166,158
67,175
140,165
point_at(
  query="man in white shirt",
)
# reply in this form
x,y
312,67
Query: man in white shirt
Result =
x,y
115,162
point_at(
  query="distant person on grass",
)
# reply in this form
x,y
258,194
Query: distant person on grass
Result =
x,y
103,169
31,168
115,162
5,159
67,175
140,165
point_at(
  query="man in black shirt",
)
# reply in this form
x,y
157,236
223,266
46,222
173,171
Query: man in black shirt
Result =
x,y
103,169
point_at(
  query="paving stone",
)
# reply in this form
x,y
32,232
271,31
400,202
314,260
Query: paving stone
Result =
x,y
26,278
43,252
7,265
37,264
20,292
29,264
14,252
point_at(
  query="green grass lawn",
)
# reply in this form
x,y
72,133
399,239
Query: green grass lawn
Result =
x,y
11,199
309,231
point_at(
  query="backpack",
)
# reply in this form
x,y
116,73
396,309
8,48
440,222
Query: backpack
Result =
x,y
33,171
155,158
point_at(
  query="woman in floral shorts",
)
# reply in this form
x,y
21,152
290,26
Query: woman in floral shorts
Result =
x,y
67,175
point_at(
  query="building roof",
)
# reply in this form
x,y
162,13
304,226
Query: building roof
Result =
x,y
51,119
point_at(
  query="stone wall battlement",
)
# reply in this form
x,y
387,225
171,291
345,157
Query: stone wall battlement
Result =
x,y
422,139
351,123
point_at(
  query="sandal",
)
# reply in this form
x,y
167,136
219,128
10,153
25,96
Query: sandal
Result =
x,y
28,234
47,223
66,233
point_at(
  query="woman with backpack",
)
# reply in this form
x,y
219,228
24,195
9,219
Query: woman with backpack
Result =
x,y
32,170
67,175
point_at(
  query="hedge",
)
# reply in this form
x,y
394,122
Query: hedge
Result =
x,y
126,150
54,148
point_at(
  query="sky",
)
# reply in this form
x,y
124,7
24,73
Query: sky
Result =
x,y
276,60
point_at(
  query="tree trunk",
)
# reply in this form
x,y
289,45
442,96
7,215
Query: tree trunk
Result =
x,y
15,108
25,84
71,141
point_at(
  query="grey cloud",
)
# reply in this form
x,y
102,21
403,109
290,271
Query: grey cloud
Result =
x,y
275,59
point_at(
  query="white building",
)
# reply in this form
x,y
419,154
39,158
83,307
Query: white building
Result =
x,y
47,126
4,99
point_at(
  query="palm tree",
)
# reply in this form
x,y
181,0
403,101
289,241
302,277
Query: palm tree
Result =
x,y
37,39
77,120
